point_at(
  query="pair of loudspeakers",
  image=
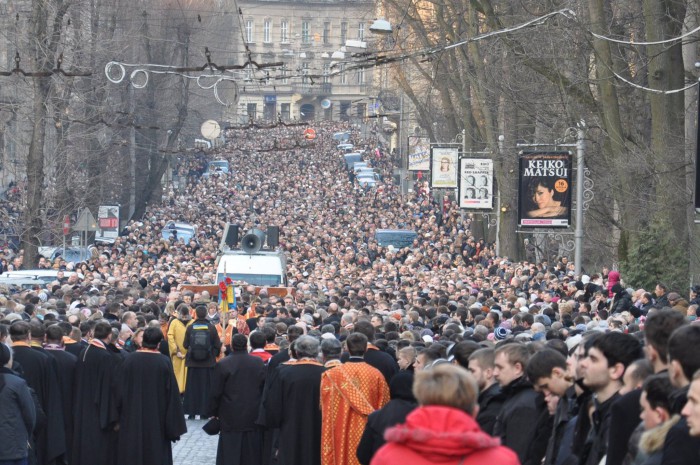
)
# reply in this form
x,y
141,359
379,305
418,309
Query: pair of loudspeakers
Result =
x,y
253,240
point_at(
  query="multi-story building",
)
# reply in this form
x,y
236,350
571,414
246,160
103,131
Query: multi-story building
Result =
x,y
313,40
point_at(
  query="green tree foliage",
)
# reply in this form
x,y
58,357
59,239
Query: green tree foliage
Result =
x,y
656,256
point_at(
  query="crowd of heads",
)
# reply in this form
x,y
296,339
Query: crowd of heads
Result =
x,y
446,296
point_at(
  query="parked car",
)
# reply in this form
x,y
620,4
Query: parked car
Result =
x,y
70,254
39,275
179,231
216,167
351,159
20,282
399,238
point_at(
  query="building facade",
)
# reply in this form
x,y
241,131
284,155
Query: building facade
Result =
x,y
313,42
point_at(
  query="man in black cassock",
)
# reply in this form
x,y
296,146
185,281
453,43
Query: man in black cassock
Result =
x,y
66,362
270,435
236,393
95,405
41,373
151,415
293,406
200,369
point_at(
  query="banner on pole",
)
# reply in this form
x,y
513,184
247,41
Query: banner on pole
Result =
x,y
444,163
418,153
544,199
476,183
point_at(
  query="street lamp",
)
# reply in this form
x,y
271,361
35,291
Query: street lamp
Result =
x,y
381,26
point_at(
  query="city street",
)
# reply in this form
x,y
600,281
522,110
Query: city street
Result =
x,y
195,447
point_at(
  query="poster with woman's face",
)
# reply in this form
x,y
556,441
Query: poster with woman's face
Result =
x,y
544,197
476,183
443,173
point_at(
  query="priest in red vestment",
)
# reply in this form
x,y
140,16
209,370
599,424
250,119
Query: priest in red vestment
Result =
x,y
349,393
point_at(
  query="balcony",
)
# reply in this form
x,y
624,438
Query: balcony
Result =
x,y
312,89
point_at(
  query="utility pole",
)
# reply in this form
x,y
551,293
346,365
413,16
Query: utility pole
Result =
x,y
578,235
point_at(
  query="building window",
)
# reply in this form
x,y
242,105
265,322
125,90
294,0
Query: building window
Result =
x,y
361,110
343,75
252,109
248,73
305,72
361,76
343,33
267,31
284,31
326,33
305,34
361,31
249,30
284,110
285,74
345,110
326,73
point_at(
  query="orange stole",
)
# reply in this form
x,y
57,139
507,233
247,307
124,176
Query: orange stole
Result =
x,y
226,341
349,393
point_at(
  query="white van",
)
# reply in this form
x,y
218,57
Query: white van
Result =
x,y
262,268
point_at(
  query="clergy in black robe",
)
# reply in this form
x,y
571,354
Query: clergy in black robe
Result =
x,y
151,415
65,362
236,393
293,406
41,374
95,404
271,435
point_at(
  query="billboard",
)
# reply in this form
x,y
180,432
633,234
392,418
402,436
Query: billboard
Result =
x,y
418,153
476,183
108,223
444,163
544,198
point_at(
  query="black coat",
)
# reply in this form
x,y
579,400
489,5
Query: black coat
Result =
x,y
490,404
596,446
214,349
293,406
401,404
621,302
560,444
95,407
236,392
66,376
679,447
18,414
624,415
516,425
382,362
150,409
41,373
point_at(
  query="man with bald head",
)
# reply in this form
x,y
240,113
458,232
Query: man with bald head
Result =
x,y
333,314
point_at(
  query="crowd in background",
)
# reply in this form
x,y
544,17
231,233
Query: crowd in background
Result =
x,y
561,366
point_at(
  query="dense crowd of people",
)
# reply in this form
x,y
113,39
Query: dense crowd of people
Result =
x,y
439,352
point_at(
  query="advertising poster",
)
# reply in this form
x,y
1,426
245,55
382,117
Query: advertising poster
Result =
x,y
444,163
418,153
476,183
545,189
108,223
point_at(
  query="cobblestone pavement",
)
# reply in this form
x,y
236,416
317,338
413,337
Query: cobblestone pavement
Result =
x,y
196,447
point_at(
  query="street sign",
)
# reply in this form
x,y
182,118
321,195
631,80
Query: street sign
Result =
x,y
66,225
86,222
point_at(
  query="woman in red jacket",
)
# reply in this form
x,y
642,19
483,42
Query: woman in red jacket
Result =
x,y
443,429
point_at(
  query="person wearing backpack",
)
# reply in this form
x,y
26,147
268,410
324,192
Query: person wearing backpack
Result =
x,y
203,345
